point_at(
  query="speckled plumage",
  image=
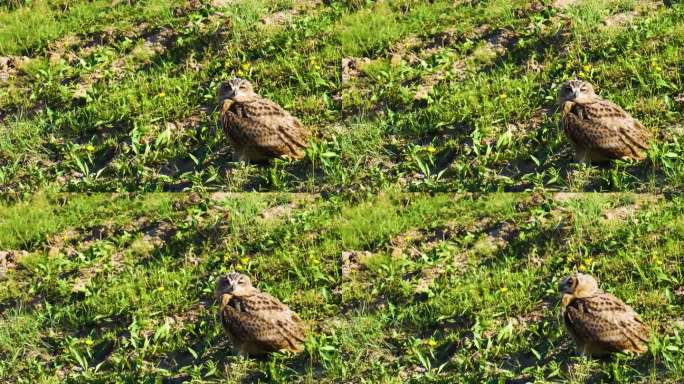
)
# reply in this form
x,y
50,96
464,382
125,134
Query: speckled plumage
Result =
x,y
258,129
256,322
599,129
599,322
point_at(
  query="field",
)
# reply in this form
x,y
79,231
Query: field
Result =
x,y
395,288
426,96
396,238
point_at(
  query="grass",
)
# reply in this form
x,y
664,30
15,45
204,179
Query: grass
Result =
x,y
116,101
443,288
31,28
455,97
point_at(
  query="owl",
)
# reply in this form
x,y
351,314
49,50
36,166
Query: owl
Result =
x,y
599,129
257,128
256,322
599,322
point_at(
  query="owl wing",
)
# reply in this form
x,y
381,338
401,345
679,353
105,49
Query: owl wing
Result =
x,y
605,127
264,320
264,124
607,321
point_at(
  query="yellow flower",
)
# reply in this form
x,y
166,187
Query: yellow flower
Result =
x,y
245,65
587,261
161,94
244,260
431,149
503,96
431,343
90,148
88,342
504,290
586,67
161,289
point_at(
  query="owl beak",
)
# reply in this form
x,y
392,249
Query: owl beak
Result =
x,y
225,299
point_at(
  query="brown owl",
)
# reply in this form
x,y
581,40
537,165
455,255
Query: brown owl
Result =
x,y
257,128
256,322
599,129
599,322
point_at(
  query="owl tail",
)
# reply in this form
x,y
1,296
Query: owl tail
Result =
x,y
636,141
295,144
293,335
637,334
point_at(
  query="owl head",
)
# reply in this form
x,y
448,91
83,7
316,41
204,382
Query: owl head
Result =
x,y
235,284
578,285
236,89
576,90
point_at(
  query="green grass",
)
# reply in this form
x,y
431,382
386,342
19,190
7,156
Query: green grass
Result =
x,y
29,29
117,99
448,288
144,117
